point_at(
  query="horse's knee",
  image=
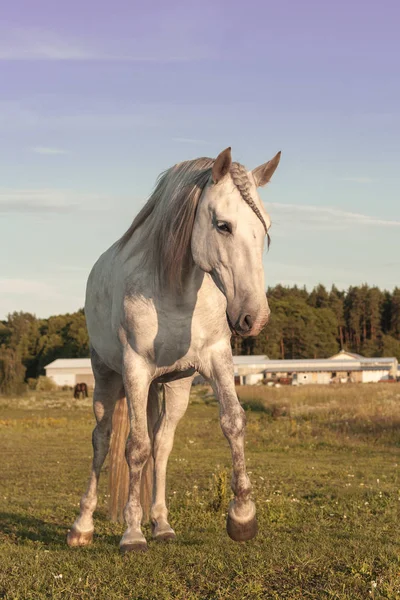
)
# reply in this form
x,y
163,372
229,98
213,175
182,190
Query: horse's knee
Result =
x,y
138,449
233,423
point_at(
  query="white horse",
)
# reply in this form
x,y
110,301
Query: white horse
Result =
x,y
161,305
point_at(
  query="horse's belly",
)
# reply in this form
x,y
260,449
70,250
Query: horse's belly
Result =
x,y
175,375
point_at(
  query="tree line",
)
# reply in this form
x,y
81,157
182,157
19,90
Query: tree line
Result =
x,y
303,324
28,344
317,324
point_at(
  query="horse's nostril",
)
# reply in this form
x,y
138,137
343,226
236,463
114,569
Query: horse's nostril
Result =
x,y
244,324
247,323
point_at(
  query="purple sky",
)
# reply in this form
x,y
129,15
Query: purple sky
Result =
x,y
97,98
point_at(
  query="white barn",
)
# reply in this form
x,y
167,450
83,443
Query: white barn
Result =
x,y
70,371
340,368
249,370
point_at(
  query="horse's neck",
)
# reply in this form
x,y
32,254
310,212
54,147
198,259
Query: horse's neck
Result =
x,y
181,298
132,259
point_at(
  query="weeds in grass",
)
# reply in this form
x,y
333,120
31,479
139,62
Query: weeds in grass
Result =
x,y
219,490
370,411
325,471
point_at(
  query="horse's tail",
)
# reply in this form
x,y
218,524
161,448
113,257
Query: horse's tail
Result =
x,y
118,481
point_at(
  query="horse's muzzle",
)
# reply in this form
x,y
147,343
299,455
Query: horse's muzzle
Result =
x,y
248,325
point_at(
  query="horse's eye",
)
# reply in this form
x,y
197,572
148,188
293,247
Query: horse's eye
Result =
x,y
224,227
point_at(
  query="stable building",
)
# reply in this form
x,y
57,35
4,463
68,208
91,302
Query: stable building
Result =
x,y
70,371
344,367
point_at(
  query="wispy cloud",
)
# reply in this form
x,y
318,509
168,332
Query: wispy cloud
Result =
x,y
48,201
26,286
359,179
15,116
184,140
73,268
47,150
324,216
31,44
42,298
28,44
311,271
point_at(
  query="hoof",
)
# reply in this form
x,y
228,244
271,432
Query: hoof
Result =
x,y
241,532
162,532
134,547
166,536
79,538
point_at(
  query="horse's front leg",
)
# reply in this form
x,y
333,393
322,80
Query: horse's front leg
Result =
x,y
241,522
137,379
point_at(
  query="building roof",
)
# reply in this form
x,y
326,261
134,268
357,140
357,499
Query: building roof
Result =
x,y
293,366
70,363
334,362
265,364
250,359
380,360
329,367
343,354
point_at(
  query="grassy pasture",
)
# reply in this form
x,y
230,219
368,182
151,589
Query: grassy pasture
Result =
x,y
324,463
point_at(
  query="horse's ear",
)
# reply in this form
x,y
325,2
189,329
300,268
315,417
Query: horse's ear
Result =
x,y
222,165
263,173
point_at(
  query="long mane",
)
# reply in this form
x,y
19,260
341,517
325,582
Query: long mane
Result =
x,y
168,217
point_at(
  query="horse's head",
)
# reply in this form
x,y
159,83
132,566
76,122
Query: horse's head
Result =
x,y
228,239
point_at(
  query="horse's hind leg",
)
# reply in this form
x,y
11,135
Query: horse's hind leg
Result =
x,y
108,389
176,396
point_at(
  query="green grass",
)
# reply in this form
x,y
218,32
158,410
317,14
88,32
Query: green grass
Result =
x,y
324,463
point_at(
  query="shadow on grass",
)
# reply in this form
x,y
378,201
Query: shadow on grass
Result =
x,y
271,409
23,528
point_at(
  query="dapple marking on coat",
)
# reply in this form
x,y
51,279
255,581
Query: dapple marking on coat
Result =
x,y
161,304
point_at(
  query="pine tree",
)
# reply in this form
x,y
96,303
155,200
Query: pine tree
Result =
x,y
395,314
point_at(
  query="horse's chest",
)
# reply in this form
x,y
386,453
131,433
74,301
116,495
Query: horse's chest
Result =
x,y
176,343
174,335
182,339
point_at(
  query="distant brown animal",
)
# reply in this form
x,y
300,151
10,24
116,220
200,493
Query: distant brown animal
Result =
x,y
80,388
